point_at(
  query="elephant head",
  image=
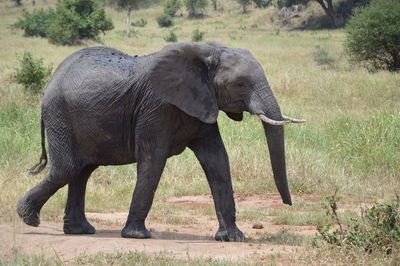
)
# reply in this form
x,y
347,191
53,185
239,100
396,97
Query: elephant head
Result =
x,y
201,79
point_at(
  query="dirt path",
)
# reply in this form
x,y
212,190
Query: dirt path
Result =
x,y
181,241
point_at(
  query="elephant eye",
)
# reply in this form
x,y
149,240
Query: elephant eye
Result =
x,y
240,84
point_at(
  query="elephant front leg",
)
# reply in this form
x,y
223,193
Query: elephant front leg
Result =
x,y
211,153
149,171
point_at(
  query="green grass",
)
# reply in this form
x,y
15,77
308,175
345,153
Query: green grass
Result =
x,y
351,139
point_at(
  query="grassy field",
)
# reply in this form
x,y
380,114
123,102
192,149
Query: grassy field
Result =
x,y
351,140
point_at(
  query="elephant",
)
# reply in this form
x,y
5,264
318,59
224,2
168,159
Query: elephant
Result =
x,y
104,107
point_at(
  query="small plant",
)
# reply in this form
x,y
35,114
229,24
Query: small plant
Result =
x,y
195,7
171,37
197,35
378,228
215,4
322,57
373,35
32,74
165,20
139,23
171,7
36,23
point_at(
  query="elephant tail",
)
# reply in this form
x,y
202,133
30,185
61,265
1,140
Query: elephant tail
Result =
x,y
43,158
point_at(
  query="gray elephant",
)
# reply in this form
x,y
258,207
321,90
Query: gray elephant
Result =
x,y
104,107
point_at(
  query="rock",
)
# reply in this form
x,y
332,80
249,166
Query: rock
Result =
x,y
258,225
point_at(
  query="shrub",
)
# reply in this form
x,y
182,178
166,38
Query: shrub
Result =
x,y
262,3
36,23
195,7
76,20
378,228
197,35
165,20
32,74
373,35
171,37
139,23
322,57
244,4
172,6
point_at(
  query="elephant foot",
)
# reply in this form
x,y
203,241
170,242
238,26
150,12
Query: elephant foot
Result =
x,y
229,234
135,231
28,213
78,227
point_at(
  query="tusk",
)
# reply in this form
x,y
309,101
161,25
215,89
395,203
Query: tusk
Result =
x,y
273,122
293,120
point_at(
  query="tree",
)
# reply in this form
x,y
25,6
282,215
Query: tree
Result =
x,y
373,35
172,6
244,4
76,20
129,5
194,7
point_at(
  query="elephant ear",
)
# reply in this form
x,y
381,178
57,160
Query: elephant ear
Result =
x,y
180,76
235,116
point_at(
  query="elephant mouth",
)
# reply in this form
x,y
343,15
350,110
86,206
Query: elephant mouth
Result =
x,y
286,120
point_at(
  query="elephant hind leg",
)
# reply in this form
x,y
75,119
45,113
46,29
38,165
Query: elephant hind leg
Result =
x,y
75,221
28,208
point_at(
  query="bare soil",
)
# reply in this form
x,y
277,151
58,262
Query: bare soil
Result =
x,y
178,240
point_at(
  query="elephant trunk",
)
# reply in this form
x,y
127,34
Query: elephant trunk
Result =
x,y
276,147
263,104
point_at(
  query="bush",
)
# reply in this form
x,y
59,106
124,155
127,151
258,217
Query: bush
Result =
x,y
172,6
378,228
322,57
76,20
171,37
195,7
139,23
165,20
36,23
32,74
373,35
197,35
262,3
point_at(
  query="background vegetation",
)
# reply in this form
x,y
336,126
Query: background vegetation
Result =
x,y
351,139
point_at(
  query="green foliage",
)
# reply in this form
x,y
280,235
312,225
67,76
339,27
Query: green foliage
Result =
x,y
373,35
32,74
322,57
36,23
139,23
76,20
197,35
165,20
172,6
244,4
262,3
195,7
378,228
171,37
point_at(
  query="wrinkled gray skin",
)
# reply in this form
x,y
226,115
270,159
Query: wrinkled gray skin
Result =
x,y
104,107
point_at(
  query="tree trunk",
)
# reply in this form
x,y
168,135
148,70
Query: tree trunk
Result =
x,y
128,23
329,10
